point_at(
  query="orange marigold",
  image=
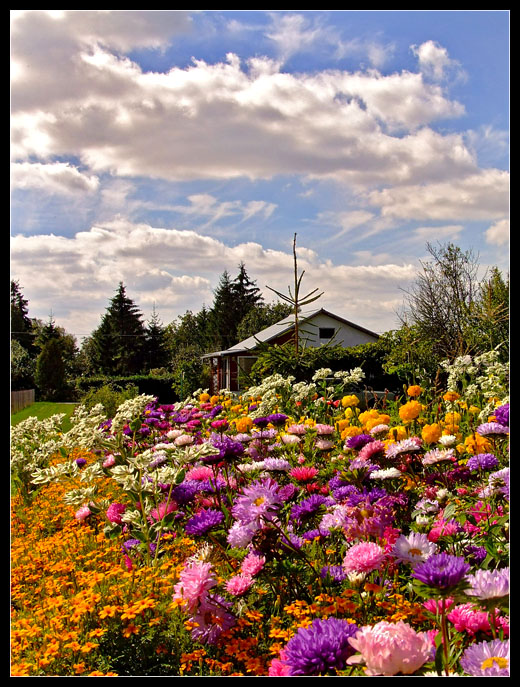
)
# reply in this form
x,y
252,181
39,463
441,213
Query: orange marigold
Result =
x,y
410,411
431,433
414,390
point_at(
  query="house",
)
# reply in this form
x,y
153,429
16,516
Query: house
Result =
x,y
229,368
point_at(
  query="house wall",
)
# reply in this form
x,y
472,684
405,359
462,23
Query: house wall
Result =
x,y
345,335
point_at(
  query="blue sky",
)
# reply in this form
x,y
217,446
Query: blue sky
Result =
x,y
160,148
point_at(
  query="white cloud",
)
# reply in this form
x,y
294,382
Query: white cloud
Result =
x,y
435,61
498,233
177,270
55,178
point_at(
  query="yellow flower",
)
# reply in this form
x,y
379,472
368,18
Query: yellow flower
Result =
x,y
475,444
348,401
397,433
451,396
410,411
204,398
431,433
243,424
414,390
350,432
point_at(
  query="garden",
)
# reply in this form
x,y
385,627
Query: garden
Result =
x,y
295,530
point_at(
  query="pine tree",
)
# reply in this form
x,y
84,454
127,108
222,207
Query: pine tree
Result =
x,y
223,319
21,324
120,338
50,372
156,345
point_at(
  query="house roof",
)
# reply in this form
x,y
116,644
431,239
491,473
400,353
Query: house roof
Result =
x,y
279,328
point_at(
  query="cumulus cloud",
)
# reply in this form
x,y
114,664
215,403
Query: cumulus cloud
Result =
x,y
498,233
178,270
55,178
435,61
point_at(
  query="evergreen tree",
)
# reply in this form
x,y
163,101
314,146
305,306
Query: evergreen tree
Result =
x,y
156,343
21,324
50,372
120,338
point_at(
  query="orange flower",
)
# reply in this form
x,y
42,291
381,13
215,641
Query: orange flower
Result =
x,y
451,396
431,433
410,411
414,390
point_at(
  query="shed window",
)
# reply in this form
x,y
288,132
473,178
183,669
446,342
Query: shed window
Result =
x,y
326,332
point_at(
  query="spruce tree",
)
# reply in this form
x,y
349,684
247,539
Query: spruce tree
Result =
x,y
156,346
120,338
21,324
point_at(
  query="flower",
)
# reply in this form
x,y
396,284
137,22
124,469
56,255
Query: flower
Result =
x,y
196,579
204,521
391,648
388,473
451,396
502,414
320,649
371,449
252,563
413,548
482,461
363,557
308,506
489,584
357,442
410,411
414,390
349,401
405,446
487,659
431,433
437,455
257,502
82,513
163,509
468,618
212,619
492,429
441,570
239,584
114,513
277,419
303,474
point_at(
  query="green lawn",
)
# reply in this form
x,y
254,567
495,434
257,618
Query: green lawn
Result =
x,y
44,409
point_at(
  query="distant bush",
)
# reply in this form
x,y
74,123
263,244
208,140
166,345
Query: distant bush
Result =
x,y
159,386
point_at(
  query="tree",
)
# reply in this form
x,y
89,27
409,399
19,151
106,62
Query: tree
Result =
x,y
261,316
21,323
440,301
50,372
120,338
156,344
490,316
22,367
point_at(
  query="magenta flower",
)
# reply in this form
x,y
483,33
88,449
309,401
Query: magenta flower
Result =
x,y
391,648
252,563
239,584
114,513
82,513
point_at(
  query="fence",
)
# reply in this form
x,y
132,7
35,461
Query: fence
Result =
x,y
21,399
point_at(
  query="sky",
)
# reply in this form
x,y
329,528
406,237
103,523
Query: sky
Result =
x,y
161,148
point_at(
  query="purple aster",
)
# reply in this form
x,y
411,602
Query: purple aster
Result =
x,y
261,422
441,570
492,429
482,461
308,506
80,462
357,442
335,572
320,649
475,554
277,418
212,619
129,544
257,502
227,447
203,521
185,491
487,659
502,414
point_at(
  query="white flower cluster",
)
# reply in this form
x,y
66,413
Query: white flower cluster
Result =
x,y
481,375
129,410
34,441
85,431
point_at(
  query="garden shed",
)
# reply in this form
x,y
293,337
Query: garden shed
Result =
x,y
229,368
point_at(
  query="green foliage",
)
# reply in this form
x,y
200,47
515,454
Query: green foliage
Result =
x,y
22,367
49,375
111,396
159,386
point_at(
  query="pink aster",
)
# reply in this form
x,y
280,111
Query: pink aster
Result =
x,y
303,474
363,558
114,513
239,584
371,449
391,648
163,509
196,579
252,564
82,513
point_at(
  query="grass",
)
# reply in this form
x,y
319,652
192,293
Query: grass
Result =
x,y
44,409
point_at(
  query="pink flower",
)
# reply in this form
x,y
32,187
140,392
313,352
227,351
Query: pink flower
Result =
x,y
324,444
324,429
363,558
443,528
297,429
391,648
114,513
252,564
109,461
196,579
239,584
467,618
371,449
435,606
163,509
200,473
303,474
82,513
278,667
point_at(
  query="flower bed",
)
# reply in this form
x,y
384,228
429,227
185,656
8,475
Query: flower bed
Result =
x,y
286,532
